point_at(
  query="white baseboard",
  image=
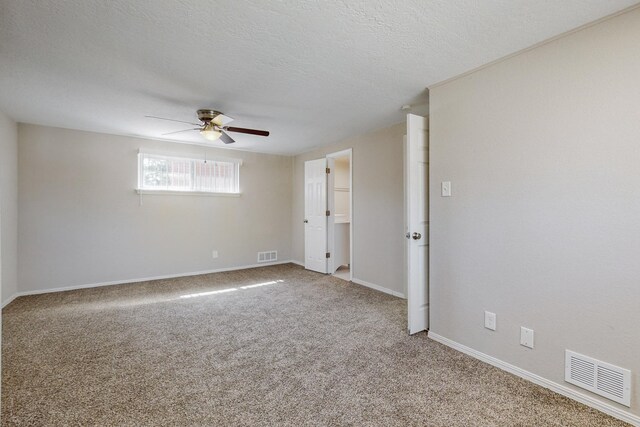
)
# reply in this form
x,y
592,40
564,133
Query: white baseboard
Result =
x,y
553,386
193,273
366,284
142,279
11,298
378,288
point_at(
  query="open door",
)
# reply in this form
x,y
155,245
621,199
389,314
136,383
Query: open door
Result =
x,y
315,215
417,233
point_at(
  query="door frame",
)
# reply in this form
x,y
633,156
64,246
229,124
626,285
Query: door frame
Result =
x,y
405,215
331,194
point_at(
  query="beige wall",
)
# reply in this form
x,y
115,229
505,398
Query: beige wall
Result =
x,y
81,222
543,228
8,211
378,206
8,207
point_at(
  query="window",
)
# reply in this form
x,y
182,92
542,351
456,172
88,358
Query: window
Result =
x,y
180,174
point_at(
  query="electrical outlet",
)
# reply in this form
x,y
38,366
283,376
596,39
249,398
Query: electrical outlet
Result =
x,y
526,337
214,254
490,320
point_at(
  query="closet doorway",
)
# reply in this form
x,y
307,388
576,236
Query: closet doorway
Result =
x,y
340,230
328,215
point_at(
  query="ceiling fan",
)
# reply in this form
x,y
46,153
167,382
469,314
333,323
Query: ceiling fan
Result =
x,y
213,126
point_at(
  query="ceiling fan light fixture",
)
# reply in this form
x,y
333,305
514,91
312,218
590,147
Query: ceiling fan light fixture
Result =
x,y
210,132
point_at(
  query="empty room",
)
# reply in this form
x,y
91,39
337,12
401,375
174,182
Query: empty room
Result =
x,y
304,213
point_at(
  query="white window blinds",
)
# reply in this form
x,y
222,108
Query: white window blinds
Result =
x,y
167,173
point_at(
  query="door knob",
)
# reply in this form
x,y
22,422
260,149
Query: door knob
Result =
x,y
416,236
306,221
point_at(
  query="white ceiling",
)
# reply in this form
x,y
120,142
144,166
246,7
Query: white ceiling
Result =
x,y
312,72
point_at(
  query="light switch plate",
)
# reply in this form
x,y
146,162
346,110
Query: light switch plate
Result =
x,y
526,337
446,188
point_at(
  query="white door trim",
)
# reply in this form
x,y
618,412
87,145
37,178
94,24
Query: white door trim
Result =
x,y
331,219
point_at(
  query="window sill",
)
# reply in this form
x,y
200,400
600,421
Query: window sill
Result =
x,y
185,193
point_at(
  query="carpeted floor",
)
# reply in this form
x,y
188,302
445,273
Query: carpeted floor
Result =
x,y
263,347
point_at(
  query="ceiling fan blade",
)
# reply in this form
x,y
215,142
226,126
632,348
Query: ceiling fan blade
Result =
x,y
245,130
226,138
222,120
178,131
172,120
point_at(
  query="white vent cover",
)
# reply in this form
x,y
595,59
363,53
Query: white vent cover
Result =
x,y
267,256
598,377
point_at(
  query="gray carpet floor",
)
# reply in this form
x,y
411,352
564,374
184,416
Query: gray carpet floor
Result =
x,y
273,346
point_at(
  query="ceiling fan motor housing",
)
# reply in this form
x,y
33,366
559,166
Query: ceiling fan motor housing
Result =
x,y
206,116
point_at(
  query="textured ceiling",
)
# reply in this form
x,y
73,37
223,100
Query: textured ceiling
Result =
x,y
311,72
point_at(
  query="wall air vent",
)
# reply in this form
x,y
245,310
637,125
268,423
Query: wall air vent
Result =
x,y
598,377
269,256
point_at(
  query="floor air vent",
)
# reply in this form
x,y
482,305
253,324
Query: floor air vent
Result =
x,y
598,377
267,256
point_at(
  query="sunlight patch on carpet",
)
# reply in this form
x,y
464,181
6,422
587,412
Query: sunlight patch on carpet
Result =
x,y
222,291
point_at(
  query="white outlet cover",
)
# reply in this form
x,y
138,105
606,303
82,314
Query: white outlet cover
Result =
x,y
214,254
526,337
490,320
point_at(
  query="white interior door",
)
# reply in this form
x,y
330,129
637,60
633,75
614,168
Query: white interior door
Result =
x,y
417,232
315,215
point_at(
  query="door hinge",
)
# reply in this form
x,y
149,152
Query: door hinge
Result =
x,y
328,170
328,254
328,213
